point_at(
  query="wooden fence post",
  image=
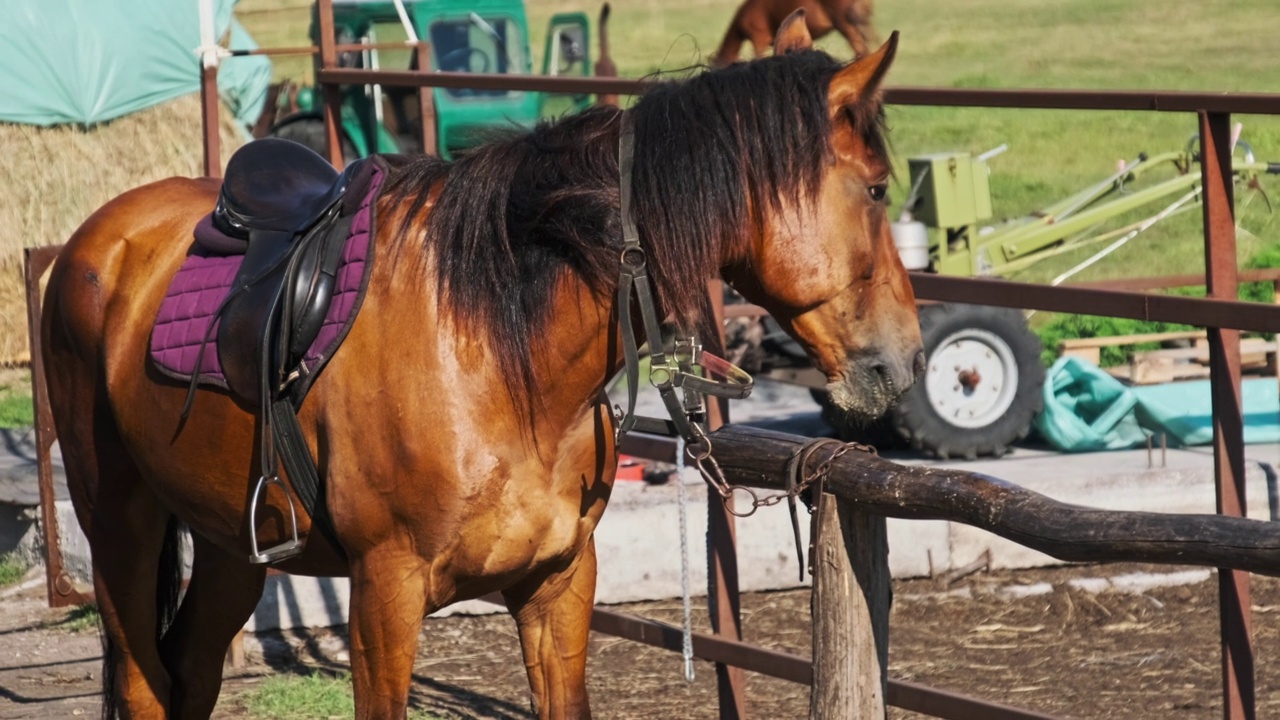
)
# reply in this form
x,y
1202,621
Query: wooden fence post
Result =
x,y
850,609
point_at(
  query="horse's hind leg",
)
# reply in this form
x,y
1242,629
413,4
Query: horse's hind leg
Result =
x,y
553,614
854,23
222,594
127,530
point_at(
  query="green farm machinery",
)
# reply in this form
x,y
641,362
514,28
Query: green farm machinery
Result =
x,y
477,36
982,386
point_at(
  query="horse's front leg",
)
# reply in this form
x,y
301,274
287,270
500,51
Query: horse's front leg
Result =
x,y
553,613
388,601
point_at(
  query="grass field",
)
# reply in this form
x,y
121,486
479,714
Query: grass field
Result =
x,y
314,695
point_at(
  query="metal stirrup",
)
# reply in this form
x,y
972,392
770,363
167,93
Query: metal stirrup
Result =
x,y
288,548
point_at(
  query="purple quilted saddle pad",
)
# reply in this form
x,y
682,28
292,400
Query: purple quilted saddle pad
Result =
x,y
186,314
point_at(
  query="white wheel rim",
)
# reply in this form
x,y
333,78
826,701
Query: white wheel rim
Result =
x,y
972,378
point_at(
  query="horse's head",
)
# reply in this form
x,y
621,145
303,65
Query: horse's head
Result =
x,y
824,263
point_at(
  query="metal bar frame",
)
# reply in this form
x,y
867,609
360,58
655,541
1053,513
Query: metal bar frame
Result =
x,y
724,601
332,97
59,587
209,121
427,104
1222,277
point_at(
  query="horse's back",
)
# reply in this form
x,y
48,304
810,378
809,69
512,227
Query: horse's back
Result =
x,y
119,261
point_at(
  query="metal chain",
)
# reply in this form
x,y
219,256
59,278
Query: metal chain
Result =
x,y
686,642
801,480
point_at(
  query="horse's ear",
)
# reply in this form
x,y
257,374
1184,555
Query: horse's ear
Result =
x,y
793,34
861,78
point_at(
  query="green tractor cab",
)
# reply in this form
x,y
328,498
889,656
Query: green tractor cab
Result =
x,y
475,36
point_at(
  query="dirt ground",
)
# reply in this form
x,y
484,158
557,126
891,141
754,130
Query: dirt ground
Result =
x,y
1067,652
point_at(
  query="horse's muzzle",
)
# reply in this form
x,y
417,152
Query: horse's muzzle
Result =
x,y
874,382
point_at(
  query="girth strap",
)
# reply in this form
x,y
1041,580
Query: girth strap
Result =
x,y
298,463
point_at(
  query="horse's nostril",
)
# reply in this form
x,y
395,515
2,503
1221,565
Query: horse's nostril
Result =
x,y
881,370
918,365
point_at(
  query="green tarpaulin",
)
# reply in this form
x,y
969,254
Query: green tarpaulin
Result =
x,y
89,61
1087,409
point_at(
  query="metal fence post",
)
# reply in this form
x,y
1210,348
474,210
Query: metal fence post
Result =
x,y
59,587
427,103
723,599
330,91
209,120
1222,279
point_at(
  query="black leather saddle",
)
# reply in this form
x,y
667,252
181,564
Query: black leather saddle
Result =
x,y
275,185
294,211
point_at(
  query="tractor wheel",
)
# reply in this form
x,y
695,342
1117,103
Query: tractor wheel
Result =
x,y
982,385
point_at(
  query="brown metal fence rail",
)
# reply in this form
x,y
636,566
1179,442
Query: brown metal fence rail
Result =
x,y
1220,312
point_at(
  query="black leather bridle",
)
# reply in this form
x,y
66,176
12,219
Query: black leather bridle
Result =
x,y
677,370
667,372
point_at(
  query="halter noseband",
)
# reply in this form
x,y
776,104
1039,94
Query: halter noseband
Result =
x,y
666,373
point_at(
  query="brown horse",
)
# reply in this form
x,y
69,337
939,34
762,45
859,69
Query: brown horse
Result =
x,y
461,431
758,21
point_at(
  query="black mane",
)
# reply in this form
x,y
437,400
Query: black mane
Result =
x,y
712,153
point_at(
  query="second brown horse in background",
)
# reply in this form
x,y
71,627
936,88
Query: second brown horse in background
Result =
x,y
758,22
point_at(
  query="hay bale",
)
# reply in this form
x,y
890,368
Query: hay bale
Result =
x,y
56,177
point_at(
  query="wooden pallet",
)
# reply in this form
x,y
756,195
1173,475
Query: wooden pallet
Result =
x,y
1147,367
1091,348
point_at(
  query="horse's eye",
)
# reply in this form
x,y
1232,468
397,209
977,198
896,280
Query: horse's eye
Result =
x,y
878,192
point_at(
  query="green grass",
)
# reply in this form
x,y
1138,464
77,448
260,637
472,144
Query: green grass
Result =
x,y
12,569
306,697
82,618
300,697
16,408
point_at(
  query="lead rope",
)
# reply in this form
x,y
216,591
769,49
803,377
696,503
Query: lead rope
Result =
x,y
686,639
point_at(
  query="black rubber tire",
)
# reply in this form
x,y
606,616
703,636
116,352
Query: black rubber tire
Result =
x,y
310,132
917,421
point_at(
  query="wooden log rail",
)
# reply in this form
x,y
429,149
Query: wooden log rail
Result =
x,y
759,458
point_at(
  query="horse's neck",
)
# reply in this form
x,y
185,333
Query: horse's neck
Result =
x,y
578,354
